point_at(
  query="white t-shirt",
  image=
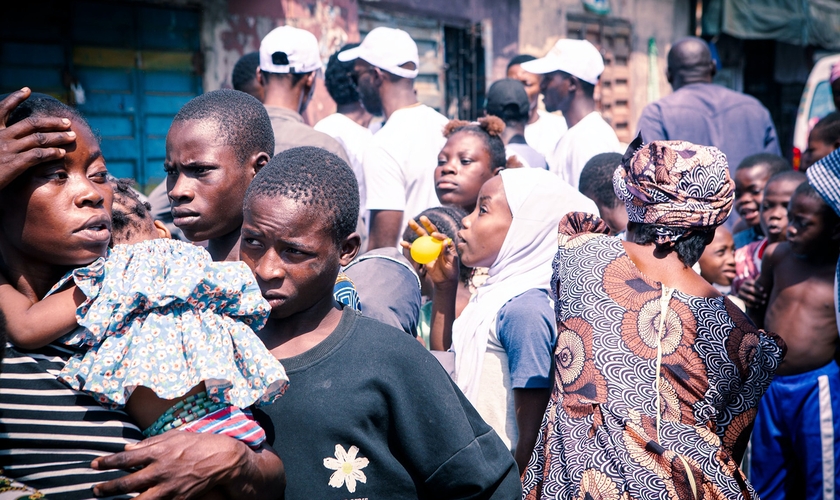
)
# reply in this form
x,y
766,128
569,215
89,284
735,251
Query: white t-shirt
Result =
x,y
589,137
354,138
544,134
399,163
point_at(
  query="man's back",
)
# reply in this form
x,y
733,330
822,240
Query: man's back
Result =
x,y
709,114
290,132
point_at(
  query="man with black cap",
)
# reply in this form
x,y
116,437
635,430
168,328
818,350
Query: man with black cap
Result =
x,y
400,162
508,100
570,73
289,64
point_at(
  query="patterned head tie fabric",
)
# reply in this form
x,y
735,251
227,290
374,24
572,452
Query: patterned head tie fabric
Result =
x,y
824,176
675,185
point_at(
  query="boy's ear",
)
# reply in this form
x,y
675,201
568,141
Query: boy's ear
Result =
x,y
350,248
258,161
163,231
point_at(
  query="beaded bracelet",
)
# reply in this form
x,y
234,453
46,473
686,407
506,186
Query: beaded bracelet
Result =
x,y
184,411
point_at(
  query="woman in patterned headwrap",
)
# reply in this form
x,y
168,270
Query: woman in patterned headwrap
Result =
x,y
657,375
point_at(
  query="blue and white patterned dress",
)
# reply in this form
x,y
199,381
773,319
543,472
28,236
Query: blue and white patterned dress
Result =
x,y
162,315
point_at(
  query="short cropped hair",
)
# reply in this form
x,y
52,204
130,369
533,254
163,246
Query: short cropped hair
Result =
x,y
788,175
43,105
827,129
315,177
136,215
241,119
596,178
774,163
519,59
338,79
245,70
830,217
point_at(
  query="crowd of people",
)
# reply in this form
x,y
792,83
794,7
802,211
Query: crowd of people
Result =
x,y
652,320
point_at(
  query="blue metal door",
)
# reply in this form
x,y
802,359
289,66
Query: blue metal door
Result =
x,y
137,65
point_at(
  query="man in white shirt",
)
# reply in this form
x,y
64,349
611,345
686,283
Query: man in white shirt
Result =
x,y
349,125
400,161
570,72
544,129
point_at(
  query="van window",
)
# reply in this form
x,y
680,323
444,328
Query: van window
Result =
x,y
822,103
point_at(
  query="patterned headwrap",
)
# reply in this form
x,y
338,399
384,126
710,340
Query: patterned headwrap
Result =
x,y
675,185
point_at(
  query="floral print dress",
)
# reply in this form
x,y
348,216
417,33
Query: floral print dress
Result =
x,y
653,387
162,315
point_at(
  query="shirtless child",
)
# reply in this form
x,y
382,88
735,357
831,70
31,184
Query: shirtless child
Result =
x,y
797,428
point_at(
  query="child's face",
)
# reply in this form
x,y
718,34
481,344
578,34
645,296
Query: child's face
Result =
x,y
289,248
60,212
717,264
464,165
774,209
806,232
486,227
749,186
817,150
205,181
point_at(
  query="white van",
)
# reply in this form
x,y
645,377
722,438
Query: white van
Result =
x,y
816,102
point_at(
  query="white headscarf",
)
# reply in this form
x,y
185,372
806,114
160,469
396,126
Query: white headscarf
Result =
x,y
538,199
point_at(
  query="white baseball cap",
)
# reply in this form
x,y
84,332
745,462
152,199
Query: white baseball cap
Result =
x,y
387,49
289,50
578,58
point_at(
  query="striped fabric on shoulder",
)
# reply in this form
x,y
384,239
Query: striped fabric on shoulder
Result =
x,y
49,433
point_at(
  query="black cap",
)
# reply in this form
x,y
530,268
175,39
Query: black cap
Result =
x,y
507,100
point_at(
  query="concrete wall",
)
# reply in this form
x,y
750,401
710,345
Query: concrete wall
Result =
x,y
543,22
500,21
231,28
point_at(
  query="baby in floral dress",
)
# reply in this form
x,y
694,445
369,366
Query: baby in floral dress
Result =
x,y
170,333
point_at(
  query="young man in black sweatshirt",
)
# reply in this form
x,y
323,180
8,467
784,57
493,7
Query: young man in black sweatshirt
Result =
x,y
369,413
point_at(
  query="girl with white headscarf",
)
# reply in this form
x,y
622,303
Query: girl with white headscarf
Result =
x,y
503,339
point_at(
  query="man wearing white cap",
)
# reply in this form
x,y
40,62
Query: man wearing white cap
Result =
x,y
570,72
289,64
400,161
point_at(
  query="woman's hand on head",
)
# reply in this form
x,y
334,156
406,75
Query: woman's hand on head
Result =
x,y
31,141
444,270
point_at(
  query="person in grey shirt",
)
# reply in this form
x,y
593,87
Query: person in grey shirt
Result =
x,y
289,64
702,112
